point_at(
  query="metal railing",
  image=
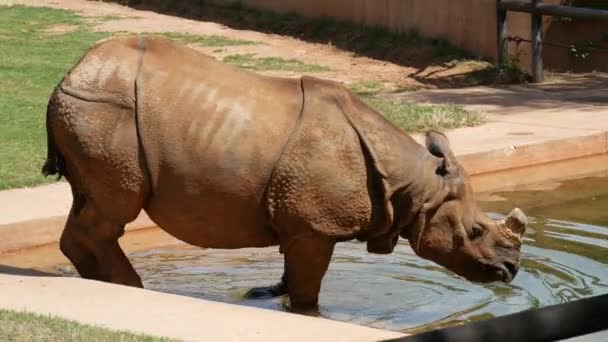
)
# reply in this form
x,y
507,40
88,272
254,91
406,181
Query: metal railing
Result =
x,y
537,9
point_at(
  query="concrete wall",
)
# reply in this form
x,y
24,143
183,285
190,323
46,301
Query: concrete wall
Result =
x,y
469,24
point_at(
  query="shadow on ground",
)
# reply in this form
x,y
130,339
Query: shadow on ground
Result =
x,y
432,58
24,272
407,49
581,93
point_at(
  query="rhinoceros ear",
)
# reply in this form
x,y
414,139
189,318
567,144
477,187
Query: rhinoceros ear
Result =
x,y
439,146
450,170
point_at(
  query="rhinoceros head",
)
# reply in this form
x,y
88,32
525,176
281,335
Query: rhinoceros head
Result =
x,y
451,230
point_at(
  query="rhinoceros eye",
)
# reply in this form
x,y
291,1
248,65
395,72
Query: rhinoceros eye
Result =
x,y
476,232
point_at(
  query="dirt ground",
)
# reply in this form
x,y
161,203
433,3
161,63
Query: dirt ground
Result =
x,y
346,66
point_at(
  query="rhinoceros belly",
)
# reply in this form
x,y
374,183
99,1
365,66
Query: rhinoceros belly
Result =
x,y
211,136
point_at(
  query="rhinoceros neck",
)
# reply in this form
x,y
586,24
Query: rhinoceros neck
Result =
x,y
408,167
413,181
405,162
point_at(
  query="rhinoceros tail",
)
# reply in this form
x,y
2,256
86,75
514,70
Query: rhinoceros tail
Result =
x,y
55,163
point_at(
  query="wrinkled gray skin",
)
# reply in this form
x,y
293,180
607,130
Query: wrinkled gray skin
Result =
x,y
225,158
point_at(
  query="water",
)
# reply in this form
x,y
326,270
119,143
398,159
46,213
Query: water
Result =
x,y
565,258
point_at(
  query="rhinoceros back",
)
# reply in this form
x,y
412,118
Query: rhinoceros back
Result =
x,y
106,73
212,135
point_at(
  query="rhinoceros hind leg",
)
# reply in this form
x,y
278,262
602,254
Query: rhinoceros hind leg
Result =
x,y
98,146
77,252
91,243
265,292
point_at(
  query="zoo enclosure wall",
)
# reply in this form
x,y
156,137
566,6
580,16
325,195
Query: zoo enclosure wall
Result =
x,y
468,24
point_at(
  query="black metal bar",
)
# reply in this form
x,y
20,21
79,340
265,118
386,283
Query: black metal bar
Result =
x,y
554,10
537,43
502,31
574,12
516,6
551,323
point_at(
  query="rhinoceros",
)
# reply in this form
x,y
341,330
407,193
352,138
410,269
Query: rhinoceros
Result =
x,y
220,157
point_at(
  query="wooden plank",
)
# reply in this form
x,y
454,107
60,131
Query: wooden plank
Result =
x,y
502,31
537,44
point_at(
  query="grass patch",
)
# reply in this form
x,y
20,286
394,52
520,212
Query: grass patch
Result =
x,y
249,61
109,17
32,62
412,117
26,327
366,87
206,40
195,39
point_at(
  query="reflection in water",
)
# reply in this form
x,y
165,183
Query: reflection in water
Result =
x,y
565,258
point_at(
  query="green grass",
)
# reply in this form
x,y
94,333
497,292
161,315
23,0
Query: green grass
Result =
x,y
366,87
195,39
412,117
109,17
26,327
32,62
206,40
249,61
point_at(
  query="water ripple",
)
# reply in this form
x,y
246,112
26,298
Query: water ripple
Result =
x,y
563,261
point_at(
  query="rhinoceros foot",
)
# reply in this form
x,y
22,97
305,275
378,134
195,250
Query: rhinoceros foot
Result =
x,y
277,290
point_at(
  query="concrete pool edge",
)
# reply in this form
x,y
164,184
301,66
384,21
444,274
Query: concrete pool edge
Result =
x,y
161,314
47,230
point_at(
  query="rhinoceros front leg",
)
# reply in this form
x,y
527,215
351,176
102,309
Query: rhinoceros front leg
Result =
x,y
276,290
307,259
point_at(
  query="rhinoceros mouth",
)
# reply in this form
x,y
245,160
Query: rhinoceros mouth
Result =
x,y
506,271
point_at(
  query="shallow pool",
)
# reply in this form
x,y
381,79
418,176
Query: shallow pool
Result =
x,y
565,258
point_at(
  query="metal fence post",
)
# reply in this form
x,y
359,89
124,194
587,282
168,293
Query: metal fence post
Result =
x,y
537,40
502,31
